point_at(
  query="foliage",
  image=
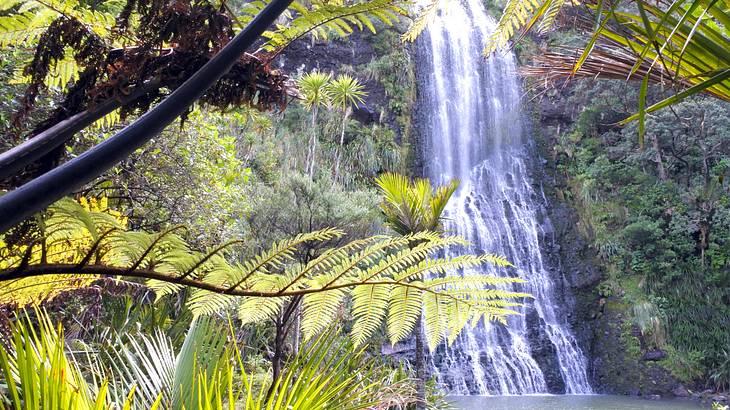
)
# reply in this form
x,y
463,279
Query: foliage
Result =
x,y
720,374
316,94
681,43
208,372
650,322
321,19
195,175
413,206
60,229
272,276
39,373
295,204
685,366
346,92
657,217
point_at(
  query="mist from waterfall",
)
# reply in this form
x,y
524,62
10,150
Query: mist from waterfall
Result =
x,y
474,132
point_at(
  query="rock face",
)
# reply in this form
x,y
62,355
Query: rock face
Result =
x,y
543,351
329,57
601,325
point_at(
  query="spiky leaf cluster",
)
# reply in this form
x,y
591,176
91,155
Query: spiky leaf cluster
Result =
x,y
389,279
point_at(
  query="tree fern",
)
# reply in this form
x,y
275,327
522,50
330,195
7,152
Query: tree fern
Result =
x,y
23,29
320,309
436,318
71,227
254,310
404,309
390,279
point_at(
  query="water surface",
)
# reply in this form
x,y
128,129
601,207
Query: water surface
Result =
x,y
587,402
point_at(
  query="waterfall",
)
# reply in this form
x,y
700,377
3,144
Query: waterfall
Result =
x,y
473,130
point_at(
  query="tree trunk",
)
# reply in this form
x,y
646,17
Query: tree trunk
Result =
x,y
342,142
282,324
659,161
312,144
277,358
420,367
297,334
40,144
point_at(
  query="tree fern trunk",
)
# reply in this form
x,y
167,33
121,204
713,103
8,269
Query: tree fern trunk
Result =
x,y
277,358
312,143
420,367
342,142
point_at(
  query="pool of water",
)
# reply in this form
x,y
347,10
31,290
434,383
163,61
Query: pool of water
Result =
x,y
557,402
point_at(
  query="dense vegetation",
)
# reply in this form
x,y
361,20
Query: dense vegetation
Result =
x,y
259,252
657,219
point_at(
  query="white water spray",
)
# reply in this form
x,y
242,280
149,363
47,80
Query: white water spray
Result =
x,y
475,133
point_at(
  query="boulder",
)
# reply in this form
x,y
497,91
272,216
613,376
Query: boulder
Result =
x,y
680,391
654,355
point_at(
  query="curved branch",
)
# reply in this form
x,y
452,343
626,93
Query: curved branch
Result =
x,y
73,269
17,158
48,188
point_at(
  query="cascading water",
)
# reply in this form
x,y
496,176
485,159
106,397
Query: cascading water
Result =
x,y
474,132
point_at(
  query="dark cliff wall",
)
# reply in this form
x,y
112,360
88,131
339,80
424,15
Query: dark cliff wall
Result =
x,y
602,325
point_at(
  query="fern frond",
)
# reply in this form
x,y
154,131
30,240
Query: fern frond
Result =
x,y
204,302
488,294
326,17
459,315
425,17
432,267
469,282
23,29
435,318
402,260
334,260
280,253
320,309
255,310
404,309
369,306
79,241
514,17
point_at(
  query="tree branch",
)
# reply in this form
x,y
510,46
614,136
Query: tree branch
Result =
x,y
48,188
17,158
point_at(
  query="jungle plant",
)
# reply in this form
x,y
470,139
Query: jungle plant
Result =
x,y
345,92
60,230
328,374
649,320
681,43
720,375
392,275
410,207
314,87
38,373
